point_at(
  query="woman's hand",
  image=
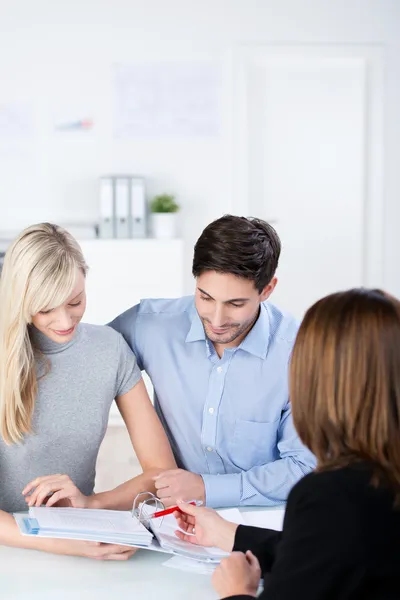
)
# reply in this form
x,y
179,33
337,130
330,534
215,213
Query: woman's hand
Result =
x,y
204,527
58,489
96,550
237,575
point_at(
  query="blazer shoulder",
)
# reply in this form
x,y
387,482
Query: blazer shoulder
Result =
x,y
334,490
320,480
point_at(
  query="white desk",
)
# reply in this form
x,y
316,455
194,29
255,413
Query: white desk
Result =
x,y
31,575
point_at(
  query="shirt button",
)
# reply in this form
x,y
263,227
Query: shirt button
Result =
x,y
209,449
219,369
211,411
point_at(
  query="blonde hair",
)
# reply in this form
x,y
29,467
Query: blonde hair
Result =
x,y
39,273
345,383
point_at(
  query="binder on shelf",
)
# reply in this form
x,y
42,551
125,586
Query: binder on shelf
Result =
x,y
107,208
122,207
137,212
123,211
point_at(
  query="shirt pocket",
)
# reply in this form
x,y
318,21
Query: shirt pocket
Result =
x,y
254,443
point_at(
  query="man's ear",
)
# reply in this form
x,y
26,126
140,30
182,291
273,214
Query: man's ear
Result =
x,y
267,291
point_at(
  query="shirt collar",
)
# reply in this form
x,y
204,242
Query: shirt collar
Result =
x,y
196,331
256,341
45,345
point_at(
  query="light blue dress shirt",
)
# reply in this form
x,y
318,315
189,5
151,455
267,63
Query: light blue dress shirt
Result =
x,y
228,419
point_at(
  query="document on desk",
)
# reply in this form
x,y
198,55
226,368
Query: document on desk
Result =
x,y
109,526
190,566
164,530
117,527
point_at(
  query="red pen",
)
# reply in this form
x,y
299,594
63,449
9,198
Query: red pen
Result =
x,y
172,509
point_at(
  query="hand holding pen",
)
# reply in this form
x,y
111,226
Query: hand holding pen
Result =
x,y
173,509
204,527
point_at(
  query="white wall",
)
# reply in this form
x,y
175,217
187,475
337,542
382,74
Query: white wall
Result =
x,y
59,53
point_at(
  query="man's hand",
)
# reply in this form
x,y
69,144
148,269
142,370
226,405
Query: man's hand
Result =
x,y
177,485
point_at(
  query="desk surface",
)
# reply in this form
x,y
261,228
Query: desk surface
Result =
x,y
32,575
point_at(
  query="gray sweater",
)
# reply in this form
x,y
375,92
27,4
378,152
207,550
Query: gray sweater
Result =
x,y
71,410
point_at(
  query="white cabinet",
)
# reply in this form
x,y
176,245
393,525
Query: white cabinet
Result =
x,y
122,272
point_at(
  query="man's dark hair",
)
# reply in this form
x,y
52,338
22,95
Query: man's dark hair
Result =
x,y
247,248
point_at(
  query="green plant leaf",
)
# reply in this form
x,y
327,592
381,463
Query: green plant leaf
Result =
x,y
164,203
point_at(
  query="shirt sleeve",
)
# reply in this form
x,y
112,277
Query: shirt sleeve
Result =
x,y
128,373
268,484
127,325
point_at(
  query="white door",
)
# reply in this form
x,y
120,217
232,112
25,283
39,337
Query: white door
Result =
x,y
308,129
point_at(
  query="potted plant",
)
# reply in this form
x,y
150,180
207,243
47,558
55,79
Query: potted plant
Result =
x,y
163,210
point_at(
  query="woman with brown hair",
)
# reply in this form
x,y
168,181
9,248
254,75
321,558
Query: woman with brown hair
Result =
x,y
341,535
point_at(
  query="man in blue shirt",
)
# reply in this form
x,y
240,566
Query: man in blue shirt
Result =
x,y
218,362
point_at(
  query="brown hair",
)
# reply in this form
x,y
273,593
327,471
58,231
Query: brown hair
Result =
x,y
247,248
345,382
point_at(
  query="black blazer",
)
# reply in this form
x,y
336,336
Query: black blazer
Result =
x,y
340,541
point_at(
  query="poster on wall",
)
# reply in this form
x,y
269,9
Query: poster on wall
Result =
x,y
16,121
17,135
166,100
73,114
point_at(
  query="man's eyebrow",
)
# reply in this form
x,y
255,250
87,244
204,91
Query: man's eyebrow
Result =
x,y
205,293
226,301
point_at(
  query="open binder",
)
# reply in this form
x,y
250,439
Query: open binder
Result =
x,y
134,528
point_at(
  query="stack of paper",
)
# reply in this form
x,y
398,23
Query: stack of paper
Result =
x,y
110,526
115,527
270,518
190,565
122,527
164,529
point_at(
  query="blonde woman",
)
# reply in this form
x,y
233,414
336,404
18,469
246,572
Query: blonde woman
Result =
x,y
341,535
58,378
